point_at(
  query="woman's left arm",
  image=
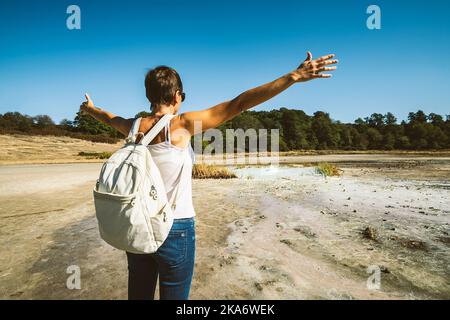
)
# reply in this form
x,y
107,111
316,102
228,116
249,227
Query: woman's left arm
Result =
x,y
218,114
120,124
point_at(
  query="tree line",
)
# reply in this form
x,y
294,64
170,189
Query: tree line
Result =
x,y
297,129
376,132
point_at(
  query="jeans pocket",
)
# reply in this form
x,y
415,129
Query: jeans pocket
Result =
x,y
173,251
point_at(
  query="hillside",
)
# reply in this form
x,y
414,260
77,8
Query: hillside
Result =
x,y
48,149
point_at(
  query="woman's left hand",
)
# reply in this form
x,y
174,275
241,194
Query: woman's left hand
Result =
x,y
312,69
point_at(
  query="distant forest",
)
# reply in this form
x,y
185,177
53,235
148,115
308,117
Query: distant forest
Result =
x,y
297,129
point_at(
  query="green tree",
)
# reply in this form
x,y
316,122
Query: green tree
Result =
x,y
15,121
325,131
389,119
142,114
376,120
294,125
87,124
375,138
417,117
42,121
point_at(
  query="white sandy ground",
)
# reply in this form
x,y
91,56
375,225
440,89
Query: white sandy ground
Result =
x,y
287,235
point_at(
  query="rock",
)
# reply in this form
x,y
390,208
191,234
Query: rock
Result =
x,y
384,269
306,231
370,233
286,241
259,286
414,244
239,223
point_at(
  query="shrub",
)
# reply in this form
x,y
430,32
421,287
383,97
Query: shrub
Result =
x,y
328,169
95,155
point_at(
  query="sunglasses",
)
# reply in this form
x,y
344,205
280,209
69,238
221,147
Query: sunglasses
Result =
x,y
183,96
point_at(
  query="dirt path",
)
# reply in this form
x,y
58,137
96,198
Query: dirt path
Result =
x,y
290,238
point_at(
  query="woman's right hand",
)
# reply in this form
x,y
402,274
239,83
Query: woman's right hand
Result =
x,y
312,69
87,105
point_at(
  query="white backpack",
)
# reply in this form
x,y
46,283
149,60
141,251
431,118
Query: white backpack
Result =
x,y
130,199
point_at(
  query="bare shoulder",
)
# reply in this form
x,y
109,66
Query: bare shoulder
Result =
x,y
146,123
179,130
177,122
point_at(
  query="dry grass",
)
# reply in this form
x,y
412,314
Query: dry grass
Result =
x,y
207,171
328,169
21,149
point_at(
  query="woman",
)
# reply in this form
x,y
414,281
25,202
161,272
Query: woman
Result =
x,y
174,260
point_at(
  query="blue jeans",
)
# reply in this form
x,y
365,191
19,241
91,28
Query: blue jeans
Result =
x,y
173,261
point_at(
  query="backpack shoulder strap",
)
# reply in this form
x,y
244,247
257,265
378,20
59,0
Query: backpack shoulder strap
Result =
x,y
134,130
156,129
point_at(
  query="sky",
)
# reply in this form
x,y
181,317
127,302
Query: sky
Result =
x,y
222,48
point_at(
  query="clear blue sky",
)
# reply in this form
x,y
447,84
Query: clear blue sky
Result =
x,y
221,48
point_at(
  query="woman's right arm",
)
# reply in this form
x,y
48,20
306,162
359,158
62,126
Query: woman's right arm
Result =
x,y
120,124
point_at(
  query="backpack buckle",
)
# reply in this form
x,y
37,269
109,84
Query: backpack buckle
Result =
x,y
153,193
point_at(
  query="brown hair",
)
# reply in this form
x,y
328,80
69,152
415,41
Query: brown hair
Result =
x,y
161,84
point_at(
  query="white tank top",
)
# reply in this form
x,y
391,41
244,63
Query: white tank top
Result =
x,y
170,159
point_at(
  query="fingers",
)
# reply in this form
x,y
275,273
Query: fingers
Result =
x,y
322,75
87,97
327,62
327,57
307,60
312,69
327,69
308,56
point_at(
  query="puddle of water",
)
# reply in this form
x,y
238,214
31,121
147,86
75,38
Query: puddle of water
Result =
x,y
273,172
